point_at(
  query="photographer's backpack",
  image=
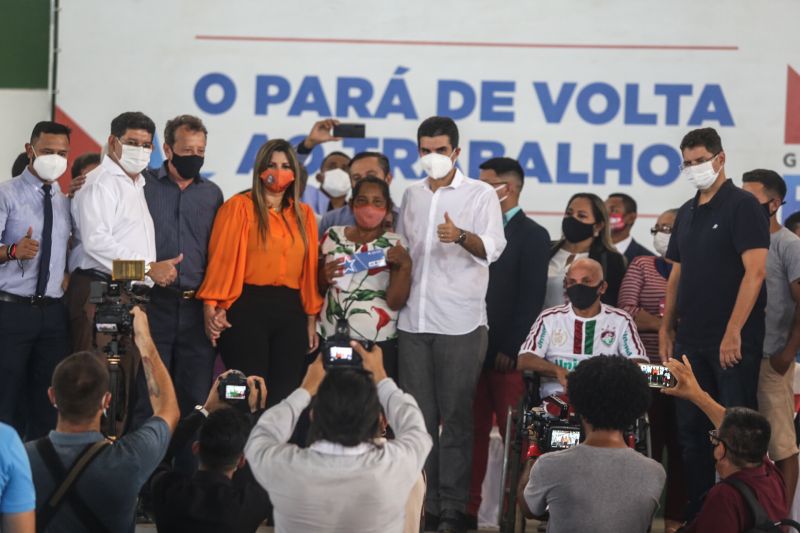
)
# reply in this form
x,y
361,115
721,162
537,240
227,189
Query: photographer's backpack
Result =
x,y
65,481
763,523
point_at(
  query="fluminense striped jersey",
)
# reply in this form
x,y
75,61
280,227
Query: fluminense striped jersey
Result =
x,y
565,339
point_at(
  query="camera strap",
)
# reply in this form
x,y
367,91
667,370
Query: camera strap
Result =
x,y
65,481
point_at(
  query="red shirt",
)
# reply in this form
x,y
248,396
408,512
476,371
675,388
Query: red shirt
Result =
x,y
725,511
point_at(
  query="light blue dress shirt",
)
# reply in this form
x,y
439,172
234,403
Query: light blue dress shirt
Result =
x,y
21,207
508,215
317,199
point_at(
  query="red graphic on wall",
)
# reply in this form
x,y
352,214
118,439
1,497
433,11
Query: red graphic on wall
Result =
x,y
80,143
792,135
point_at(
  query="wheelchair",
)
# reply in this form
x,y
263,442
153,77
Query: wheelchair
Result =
x,y
515,450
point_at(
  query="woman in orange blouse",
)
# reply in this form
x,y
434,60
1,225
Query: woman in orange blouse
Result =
x,y
260,291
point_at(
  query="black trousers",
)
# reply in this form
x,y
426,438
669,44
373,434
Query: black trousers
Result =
x,y
176,326
268,338
33,340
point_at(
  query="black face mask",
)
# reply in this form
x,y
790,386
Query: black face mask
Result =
x,y
576,231
188,166
583,296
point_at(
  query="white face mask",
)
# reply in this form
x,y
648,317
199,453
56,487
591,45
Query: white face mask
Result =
x,y
436,165
49,167
702,176
498,189
336,182
661,242
134,159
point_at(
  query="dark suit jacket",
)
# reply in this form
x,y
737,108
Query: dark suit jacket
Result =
x,y
635,250
614,266
206,501
517,285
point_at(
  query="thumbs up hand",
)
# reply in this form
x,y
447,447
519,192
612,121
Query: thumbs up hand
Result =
x,y
164,272
447,232
26,248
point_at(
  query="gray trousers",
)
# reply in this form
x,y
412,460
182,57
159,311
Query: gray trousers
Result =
x,y
441,372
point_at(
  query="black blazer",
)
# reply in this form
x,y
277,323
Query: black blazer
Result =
x,y
517,285
614,266
635,250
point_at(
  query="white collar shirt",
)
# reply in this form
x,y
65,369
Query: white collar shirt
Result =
x,y
448,287
111,220
622,246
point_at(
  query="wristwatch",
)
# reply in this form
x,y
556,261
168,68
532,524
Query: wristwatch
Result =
x,y
201,409
461,237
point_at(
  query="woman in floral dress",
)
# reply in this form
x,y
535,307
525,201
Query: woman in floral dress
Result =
x,y
370,299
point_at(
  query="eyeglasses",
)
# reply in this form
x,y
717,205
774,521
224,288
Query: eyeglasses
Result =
x,y
715,439
687,164
661,228
131,142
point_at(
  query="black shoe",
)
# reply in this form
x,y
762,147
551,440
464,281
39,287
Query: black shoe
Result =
x,y
470,522
431,522
451,521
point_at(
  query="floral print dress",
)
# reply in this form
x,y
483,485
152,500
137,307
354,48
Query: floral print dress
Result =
x,y
359,297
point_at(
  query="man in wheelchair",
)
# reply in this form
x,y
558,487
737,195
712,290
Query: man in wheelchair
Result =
x,y
565,336
600,484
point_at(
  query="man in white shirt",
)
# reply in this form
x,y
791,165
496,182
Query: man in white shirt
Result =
x,y
454,229
344,481
111,221
565,336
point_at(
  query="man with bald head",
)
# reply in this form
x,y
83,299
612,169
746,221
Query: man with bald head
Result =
x,y
564,336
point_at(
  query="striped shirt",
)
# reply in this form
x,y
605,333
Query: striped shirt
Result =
x,y
644,288
565,339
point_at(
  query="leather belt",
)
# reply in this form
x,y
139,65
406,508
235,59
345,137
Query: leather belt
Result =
x,y
96,275
183,294
29,300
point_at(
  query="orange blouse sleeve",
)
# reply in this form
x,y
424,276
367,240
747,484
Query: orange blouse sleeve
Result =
x,y
309,293
227,253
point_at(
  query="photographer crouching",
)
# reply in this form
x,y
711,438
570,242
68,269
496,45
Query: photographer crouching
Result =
x,y
344,481
740,441
220,496
83,481
600,484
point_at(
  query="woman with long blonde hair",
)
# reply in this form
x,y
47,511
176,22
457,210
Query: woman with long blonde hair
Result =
x,y
260,291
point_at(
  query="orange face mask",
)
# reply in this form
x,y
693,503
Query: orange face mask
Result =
x,y
277,179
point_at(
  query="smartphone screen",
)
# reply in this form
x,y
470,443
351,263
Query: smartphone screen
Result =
x,y
341,353
350,130
235,392
562,439
658,376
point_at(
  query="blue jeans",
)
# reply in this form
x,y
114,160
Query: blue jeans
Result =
x,y
732,387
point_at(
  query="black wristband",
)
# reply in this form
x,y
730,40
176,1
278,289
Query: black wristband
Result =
x,y
461,238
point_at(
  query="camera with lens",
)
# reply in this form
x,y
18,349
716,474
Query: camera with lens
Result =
x,y
553,426
114,299
336,349
233,387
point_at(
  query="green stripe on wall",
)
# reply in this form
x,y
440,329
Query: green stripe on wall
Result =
x,y
24,44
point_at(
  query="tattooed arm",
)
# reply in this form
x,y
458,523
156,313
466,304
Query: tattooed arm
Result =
x,y
159,384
